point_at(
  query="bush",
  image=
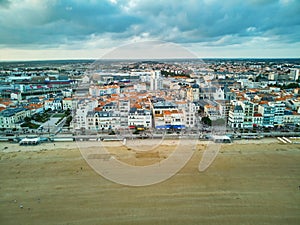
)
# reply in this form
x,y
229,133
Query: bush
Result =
x,y
136,132
27,119
67,112
68,121
30,125
41,117
112,133
59,120
206,121
219,122
58,115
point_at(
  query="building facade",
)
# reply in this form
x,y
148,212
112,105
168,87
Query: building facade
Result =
x,y
13,117
140,118
236,117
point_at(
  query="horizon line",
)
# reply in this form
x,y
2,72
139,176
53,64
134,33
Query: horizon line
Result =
x,y
142,59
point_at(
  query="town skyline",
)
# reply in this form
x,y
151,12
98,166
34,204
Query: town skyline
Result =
x,y
212,89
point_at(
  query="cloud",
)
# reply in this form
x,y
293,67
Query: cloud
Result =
x,y
75,24
149,50
211,20
4,3
59,22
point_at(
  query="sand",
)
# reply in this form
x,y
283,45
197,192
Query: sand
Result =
x,y
249,182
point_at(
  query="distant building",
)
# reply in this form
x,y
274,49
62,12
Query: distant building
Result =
x,y
124,107
172,119
193,92
96,90
53,104
211,93
16,95
166,115
111,106
155,80
67,93
81,110
212,111
67,103
291,118
294,74
11,116
294,104
140,87
102,121
248,109
85,79
236,117
257,120
219,94
279,108
140,117
267,112
189,113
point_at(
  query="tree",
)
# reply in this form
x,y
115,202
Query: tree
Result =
x,y
292,85
67,112
112,132
27,119
257,78
219,122
206,120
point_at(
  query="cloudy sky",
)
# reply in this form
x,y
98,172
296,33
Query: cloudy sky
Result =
x,y
73,29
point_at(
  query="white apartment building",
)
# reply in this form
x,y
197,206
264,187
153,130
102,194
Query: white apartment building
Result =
x,y
124,107
291,118
102,121
167,116
53,104
140,87
193,93
189,113
267,111
156,80
173,119
279,108
140,117
236,117
67,93
10,117
212,111
294,74
257,120
80,113
67,103
224,107
96,90
248,108
294,104
16,96
111,106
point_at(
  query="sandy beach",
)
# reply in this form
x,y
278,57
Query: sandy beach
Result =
x,y
249,182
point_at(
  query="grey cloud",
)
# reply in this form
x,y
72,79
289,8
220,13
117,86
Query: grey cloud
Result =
x,y
4,3
62,22
211,22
